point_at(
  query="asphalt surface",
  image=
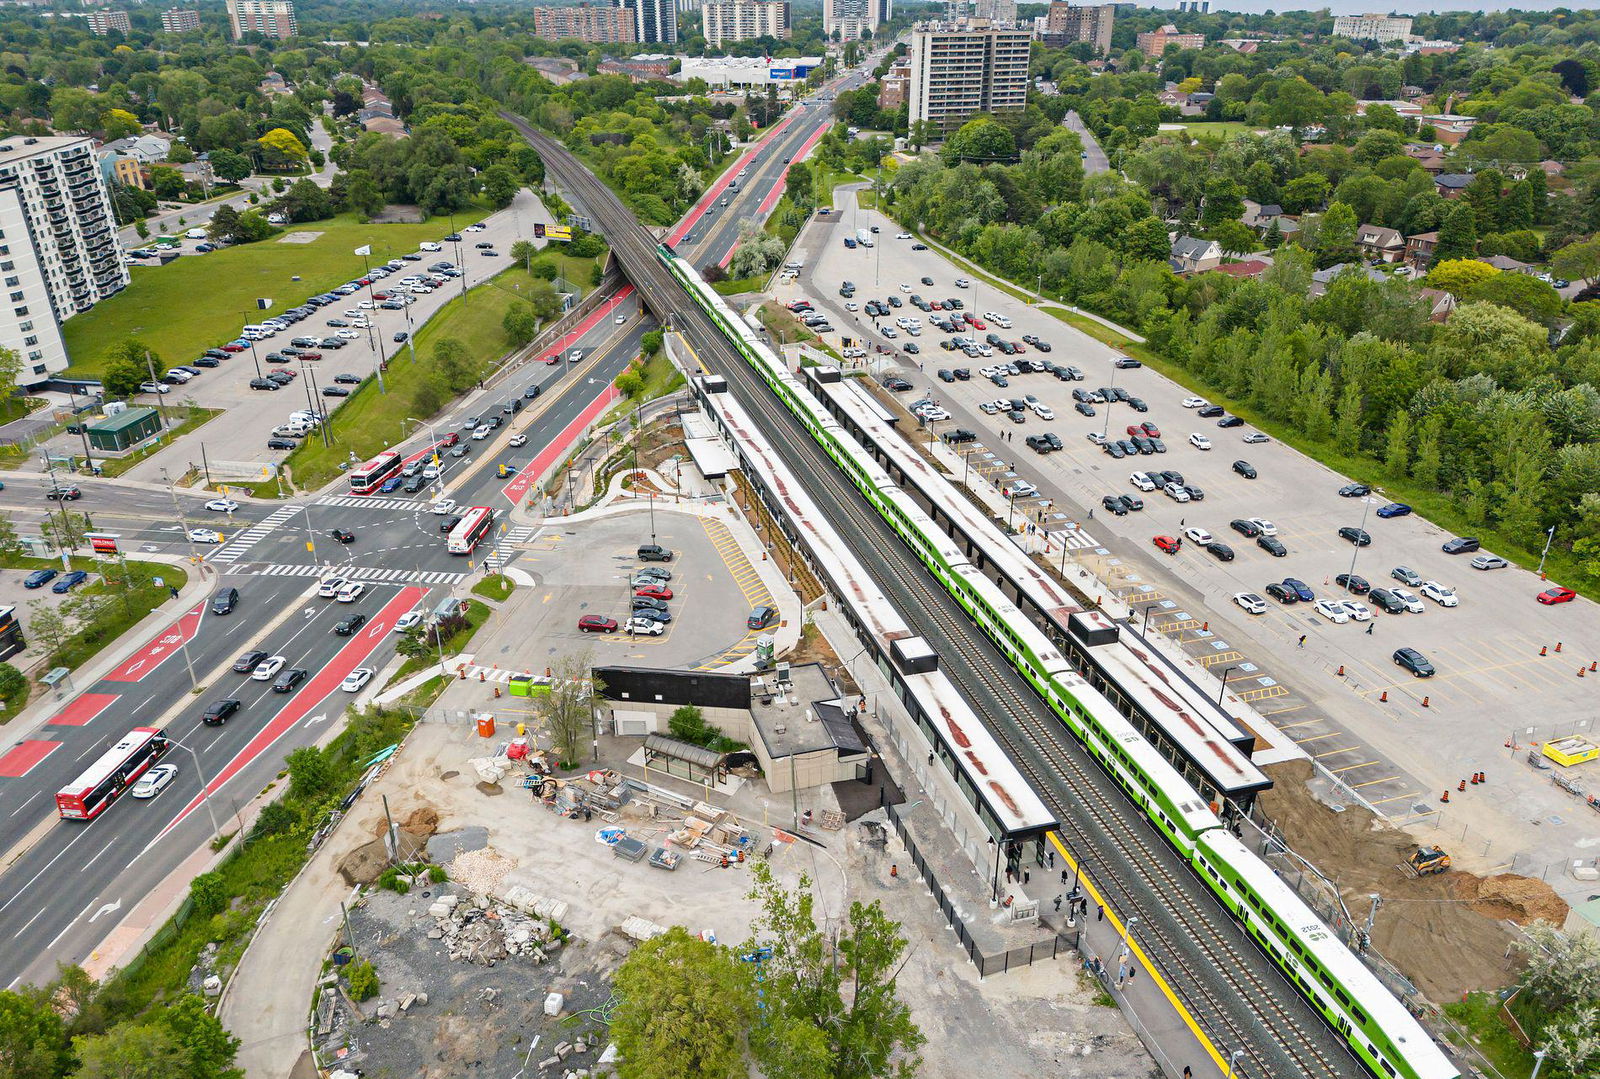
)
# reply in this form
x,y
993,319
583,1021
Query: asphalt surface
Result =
x,y
1094,159
274,554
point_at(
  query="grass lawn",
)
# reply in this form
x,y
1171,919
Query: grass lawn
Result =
x,y
119,608
1220,129
660,379
739,286
497,587
370,421
1479,1014
200,301
183,425
477,615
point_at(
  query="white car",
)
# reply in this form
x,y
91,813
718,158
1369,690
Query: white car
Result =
x,y
1044,412
430,472
645,626
409,620
1142,481
444,507
155,780
350,591
1333,611
962,282
476,226
904,287
330,587
1409,598
356,679
1194,402
902,235
1023,489
430,246
1266,526
347,335
1200,442
620,319
1359,611
481,432
1197,535
1444,597
204,535
366,305
1177,492
154,387
222,505
518,440
1250,602
355,312
267,668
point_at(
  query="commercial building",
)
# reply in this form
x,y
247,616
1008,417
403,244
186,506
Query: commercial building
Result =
x,y
269,18
894,89
1197,7
102,23
746,71
58,246
1066,23
960,70
1000,12
179,21
744,20
851,20
1153,43
653,20
1372,27
642,68
608,25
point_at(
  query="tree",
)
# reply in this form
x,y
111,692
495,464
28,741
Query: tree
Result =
x,y
524,251
1571,1042
982,139
688,724
521,323
310,773
224,223
13,685
209,894
131,1051
1146,240
1562,970
630,382
166,182
118,124
281,148
306,201
1306,192
685,1008
500,184
211,1049
127,365
362,194
10,366
569,706
1459,277
1579,261
454,363
1336,235
1524,294
1458,235
1234,237
229,166
33,1043
65,529
47,626
1223,202
832,1003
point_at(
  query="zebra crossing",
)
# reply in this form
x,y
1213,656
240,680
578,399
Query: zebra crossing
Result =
x,y
374,503
1073,538
234,548
357,573
501,554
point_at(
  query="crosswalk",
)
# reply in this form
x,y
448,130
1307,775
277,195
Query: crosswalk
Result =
x,y
356,573
1073,538
502,552
374,503
234,548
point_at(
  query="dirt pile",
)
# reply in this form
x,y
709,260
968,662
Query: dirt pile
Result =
x,y
368,861
1441,931
423,821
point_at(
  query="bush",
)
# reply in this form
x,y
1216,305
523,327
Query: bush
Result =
x,y
392,880
209,894
276,818
437,874
13,684
363,980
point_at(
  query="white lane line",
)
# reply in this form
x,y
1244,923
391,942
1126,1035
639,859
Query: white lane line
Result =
x,y
24,804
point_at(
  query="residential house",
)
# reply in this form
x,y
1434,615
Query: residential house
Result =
x,y
1440,303
1323,278
1430,157
1451,184
148,149
1256,215
120,168
1190,255
1507,264
1419,249
1381,243
1288,227
1450,130
274,83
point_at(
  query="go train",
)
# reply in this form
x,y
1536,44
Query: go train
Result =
x,y
1377,1028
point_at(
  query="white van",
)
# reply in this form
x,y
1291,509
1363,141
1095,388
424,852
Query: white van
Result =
x,y
196,234
431,246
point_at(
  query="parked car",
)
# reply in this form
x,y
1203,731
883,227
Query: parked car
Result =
x,y
1414,661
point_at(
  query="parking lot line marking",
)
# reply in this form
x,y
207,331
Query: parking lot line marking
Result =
x,y
1351,767
1336,752
1370,782
1292,726
1395,798
1319,737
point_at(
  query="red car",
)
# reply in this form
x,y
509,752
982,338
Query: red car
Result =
x,y
310,355
1136,430
654,591
1167,544
1556,595
450,438
382,295
230,347
597,623
1151,429
977,323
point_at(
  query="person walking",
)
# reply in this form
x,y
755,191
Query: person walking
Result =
x,y
1302,643
1369,628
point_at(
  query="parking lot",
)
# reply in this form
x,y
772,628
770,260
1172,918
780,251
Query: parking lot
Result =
x,y
1396,739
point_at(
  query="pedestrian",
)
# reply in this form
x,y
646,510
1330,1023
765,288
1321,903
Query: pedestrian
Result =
x,y
1302,640
1024,876
173,589
1132,970
894,871
1058,904
1181,520
1091,513
1063,874
1100,912
1010,877
1369,628
1052,856
1188,1072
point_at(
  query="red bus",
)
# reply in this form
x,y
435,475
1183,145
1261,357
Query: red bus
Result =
x,y
470,532
114,772
368,477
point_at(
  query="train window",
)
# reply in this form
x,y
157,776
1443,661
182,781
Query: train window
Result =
x,y
1342,998
1386,1066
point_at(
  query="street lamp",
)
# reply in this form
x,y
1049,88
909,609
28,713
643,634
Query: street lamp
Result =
x,y
311,403
1538,1062
1232,1058
1355,548
1225,672
1550,535
205,795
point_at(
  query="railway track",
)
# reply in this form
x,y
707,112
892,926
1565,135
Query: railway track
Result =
x,y
1227,985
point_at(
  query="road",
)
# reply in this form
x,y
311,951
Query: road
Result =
x,y
274,555
1094,160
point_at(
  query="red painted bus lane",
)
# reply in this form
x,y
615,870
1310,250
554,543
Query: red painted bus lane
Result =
x,y
83,709
314,695
19,760
520,484
590,321
159,650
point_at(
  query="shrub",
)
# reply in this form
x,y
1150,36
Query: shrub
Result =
x,y
363,980
437,874
209,894
392,880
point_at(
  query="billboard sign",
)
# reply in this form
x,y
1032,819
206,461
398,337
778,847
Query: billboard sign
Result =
x,y
553,233
102,542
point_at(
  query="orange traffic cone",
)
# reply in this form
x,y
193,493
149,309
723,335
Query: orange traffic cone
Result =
x,y
1461,786
1544,651
1341,670
1558,647
1383,698
1591,667
481,678
1474,779
1581,670
1445,797
497,693
1483,777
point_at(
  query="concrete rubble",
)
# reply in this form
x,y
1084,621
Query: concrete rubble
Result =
x,y
480,929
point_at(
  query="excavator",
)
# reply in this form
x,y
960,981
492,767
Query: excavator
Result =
x,y
1427,861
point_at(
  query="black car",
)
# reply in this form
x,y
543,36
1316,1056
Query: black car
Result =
x,y
348,627
347,379
400,336
1282,593
1142,444
1386,600
1114,450
249,661
945,376
1353,583
1220,551
335,343
1230,421
460,449
962,374
1358,536
263,384
289,679
1196,494
281,443
1413,661
1170,476
1245,469
533,391
1038,444
415,484
1272,545
1354,490
1248,529
282,378
1210,411
449,523
1138,405
1133,502
335,391
1460,545
1084,408
207,361
217,712
342,535
1115,505
649,603
959,436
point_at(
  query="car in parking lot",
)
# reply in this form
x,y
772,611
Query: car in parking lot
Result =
x,y
1353,583
597,623
1083,408
1460,545
1142,481
1199,442
1358,611
1220,551
69,581
157,778
1255,438
1176,491
1393,509
1248,529
39,578
1358,536
1166,543
1440,594
1489,561
1301,589
1406,575
1115,504
1197,535
1332,610
1410,600
1209,411
1414,661
1282,593
1386,600
1558,594
1354,490
1272,545
1245,469
640,626
1250,603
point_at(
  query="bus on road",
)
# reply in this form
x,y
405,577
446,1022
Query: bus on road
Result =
x,y
475,525
368,477
114,772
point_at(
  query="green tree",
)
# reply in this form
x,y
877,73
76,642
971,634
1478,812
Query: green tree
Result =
x,y
10,366
280,147
525,252
1234,237
521,323
1397,444
1524,294
832,1001
452,360
688,724
229,166
685,1008
128,364
630,382
1483,195
500,184
568,708
363,980
118,124
1146,241
47,626
209,894
33,1042
650,343
131,1051
1579,261
13,686
1458,235
1459,277
224,223
1305,193
166,182
210,1048
982,139
1336,236
310,773
1224,202
362,194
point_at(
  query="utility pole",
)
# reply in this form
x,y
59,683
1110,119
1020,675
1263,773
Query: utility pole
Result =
x,y
365,251
66,538
150,365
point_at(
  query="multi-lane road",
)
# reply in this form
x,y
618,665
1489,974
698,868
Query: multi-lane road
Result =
x,y
65,887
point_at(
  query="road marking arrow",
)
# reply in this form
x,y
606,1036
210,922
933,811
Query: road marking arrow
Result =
x,y
317,719
109,908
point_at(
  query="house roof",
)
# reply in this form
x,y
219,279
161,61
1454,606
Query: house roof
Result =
x,y
1453,179
1325,276
1423,237
1506,262
1187,247
1378,236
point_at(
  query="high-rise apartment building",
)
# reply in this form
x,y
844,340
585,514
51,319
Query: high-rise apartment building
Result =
x,y
743,20
102,23
610,25
1003,12
270,18
960,70
653,20
1154,43
1372,27
58,246
1067,23
854,19
179,21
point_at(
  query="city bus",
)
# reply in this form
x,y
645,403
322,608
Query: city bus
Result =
x,y
475,525
114,772
368,477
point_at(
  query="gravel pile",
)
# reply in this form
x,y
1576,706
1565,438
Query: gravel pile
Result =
x,y
480,871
